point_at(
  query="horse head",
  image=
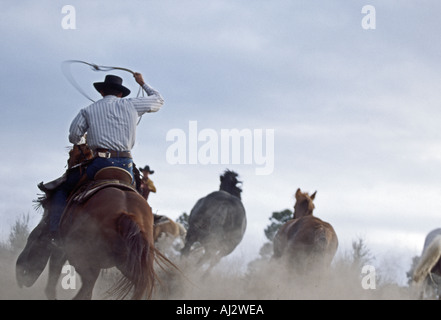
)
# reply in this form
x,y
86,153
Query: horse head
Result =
x,y
304,204
229,183
78,154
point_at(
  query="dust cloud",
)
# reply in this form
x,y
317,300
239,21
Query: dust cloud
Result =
x,y
231,279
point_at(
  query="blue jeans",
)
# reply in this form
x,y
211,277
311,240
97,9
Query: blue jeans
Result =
x,y
98,163
60,196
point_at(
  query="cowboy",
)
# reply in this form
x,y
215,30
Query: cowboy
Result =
x,y
110,124
147,184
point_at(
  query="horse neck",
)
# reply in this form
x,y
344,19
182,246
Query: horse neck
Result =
x,y
233,190
302,215
302,210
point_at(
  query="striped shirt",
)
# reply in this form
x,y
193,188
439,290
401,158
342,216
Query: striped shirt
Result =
x,y
110,123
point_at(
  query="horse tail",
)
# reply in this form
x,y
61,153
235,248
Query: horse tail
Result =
x,y
429,258
325,244
138,265
321,239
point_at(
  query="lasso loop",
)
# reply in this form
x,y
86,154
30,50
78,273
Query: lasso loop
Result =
x,y
96,67
65,67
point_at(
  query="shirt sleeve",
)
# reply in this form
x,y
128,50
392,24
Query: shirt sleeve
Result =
x,y
151,186
152,103
78,127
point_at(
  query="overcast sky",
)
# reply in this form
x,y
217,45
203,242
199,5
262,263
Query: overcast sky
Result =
x,y
355,112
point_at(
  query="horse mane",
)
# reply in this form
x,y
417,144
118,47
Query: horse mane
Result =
x,y
229,183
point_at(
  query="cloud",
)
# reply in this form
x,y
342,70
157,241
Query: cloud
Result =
x,y
355,113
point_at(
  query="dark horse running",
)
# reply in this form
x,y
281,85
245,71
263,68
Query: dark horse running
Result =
x,y
109,227
217,221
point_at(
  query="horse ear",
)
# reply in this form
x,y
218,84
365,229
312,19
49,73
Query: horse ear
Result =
x,y
298,193
313,195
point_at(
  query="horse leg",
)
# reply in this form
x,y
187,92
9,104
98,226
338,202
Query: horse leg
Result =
x,y
212,255
213,261
89,277
186,249
56,262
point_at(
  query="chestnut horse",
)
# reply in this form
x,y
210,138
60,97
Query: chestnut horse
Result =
x,y
111,228
305,242
165,225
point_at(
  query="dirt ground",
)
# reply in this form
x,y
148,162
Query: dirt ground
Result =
x,y
231,279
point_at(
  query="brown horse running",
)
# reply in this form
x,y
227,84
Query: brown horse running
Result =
x,y
111,228
306,242
165,225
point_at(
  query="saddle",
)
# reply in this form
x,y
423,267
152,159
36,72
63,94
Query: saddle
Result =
x,y
106,177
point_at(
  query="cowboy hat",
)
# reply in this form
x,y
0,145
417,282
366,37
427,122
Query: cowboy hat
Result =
x,y
112,82
147,168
